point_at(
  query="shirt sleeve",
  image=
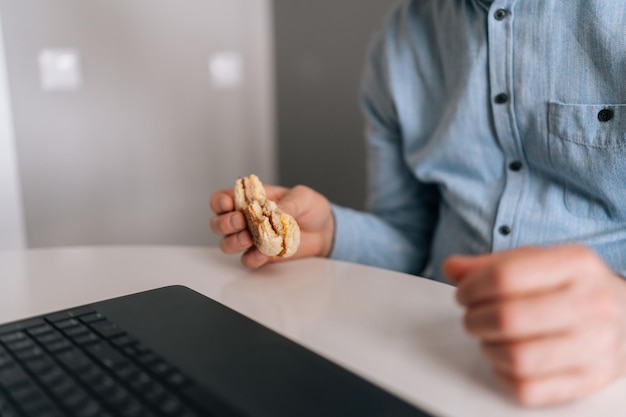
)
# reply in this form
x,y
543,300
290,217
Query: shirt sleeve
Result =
x,y
395,231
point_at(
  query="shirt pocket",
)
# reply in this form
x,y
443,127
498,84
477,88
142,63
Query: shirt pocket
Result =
x,y
587,148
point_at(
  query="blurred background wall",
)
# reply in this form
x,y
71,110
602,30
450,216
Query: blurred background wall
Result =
x,y
125,115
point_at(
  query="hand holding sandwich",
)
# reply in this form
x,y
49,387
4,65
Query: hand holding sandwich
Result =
x,y
310,210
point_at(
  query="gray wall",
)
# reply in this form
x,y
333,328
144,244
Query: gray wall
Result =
x,y
132,156
320,49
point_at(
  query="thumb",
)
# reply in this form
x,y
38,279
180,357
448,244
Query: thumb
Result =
x,y
289,200
457,267
299,201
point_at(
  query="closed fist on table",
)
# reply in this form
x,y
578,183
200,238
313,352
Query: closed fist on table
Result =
x,y
550,320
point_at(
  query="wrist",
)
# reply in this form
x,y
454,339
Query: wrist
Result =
x,y
328,236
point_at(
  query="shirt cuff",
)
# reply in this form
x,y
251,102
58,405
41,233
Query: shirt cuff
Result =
x,y
345,232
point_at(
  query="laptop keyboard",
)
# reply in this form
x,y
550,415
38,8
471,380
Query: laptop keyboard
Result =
x,y
78,363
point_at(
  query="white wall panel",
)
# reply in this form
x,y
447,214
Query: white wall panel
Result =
x,y
11,218
131,154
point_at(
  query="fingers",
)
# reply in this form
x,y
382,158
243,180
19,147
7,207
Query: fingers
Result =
x,y
222,201
226,224
229,223
457,267
498,275
557,388
252,258
562,353
236,242
524,317
295,201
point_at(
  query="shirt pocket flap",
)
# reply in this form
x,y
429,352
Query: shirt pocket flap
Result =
x,y
595,125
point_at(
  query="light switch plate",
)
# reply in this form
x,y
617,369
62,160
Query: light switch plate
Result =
x,y
60,69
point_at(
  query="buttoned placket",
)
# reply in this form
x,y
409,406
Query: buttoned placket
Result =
x,y
501,49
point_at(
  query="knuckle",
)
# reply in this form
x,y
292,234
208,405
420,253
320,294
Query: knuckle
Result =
x,y
227,244
526,393
234,243
520,361
586,258
298,189
604,305
506,319
501,278
215,225
468,322
221,202
222,225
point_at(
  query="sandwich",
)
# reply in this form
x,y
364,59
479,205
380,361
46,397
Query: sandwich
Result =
x,y
274,232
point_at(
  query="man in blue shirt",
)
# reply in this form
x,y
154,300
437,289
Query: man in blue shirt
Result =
x,y
495,130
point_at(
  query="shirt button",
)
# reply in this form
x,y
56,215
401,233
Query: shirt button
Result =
x,y
504,230
605,115
500,14
501,98
515,166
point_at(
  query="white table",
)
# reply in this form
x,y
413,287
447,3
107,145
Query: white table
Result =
x,y
399,331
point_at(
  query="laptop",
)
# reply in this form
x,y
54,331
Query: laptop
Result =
x,y
173,352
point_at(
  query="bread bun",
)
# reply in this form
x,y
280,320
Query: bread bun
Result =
x,y
274,232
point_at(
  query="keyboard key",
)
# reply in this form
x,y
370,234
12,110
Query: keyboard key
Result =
x,y
104,385
66,324
176,379
6,409
69,314
76,331
106,355
140,381
5,358
117,397
93,317
26,393
13,377
75,360
63,387
52,376
86,339
59,346
42,407
106,329
6,361
170,405
147,358
40,330
123,341
39,365
154,392
75,398
13,337
49,338
34,353
159,367
20,344
132,408
22,325
89,408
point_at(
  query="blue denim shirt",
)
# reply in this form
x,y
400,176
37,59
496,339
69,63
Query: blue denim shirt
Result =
x,y
491,125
